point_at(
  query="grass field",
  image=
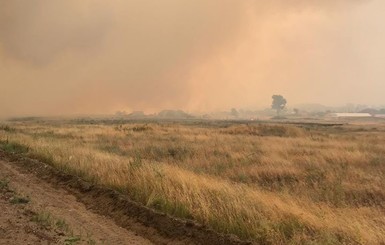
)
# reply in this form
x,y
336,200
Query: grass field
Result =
x,y
271,183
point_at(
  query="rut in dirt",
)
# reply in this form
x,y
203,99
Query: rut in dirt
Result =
x,y
102,212
59,203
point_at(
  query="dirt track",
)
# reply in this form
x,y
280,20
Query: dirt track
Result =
x,y
16,226
94,214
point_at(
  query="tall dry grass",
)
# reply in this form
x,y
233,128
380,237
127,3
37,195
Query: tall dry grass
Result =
x,y
275,184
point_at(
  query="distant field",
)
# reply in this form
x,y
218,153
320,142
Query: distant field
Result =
x,y
271,183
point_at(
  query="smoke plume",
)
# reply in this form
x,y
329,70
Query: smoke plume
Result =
x,y
94,56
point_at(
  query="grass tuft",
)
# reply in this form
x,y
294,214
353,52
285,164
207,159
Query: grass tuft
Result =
x,y
19,200
4,184
13,147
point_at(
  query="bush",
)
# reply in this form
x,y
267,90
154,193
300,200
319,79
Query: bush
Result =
x,y
12,147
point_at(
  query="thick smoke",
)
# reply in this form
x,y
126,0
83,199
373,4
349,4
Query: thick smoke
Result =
x,y
95,56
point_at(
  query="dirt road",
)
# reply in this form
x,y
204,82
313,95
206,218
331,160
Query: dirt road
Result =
x,y
34,212
40,204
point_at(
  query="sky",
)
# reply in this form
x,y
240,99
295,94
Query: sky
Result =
x,y
96,57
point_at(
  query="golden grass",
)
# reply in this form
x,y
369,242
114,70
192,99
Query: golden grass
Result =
x,y
275,184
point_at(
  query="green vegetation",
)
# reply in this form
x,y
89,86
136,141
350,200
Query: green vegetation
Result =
x,y
19,200
46,220
4,184
72,240
13,147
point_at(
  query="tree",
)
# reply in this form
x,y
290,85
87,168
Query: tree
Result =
x,y
234,112
279,103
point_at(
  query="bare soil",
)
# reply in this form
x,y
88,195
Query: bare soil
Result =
x,y
16,225
16,219
94,214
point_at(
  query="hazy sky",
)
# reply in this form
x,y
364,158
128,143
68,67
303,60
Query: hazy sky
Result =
x,y
97,56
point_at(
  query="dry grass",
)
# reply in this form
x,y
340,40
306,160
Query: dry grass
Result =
x,y
275,184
